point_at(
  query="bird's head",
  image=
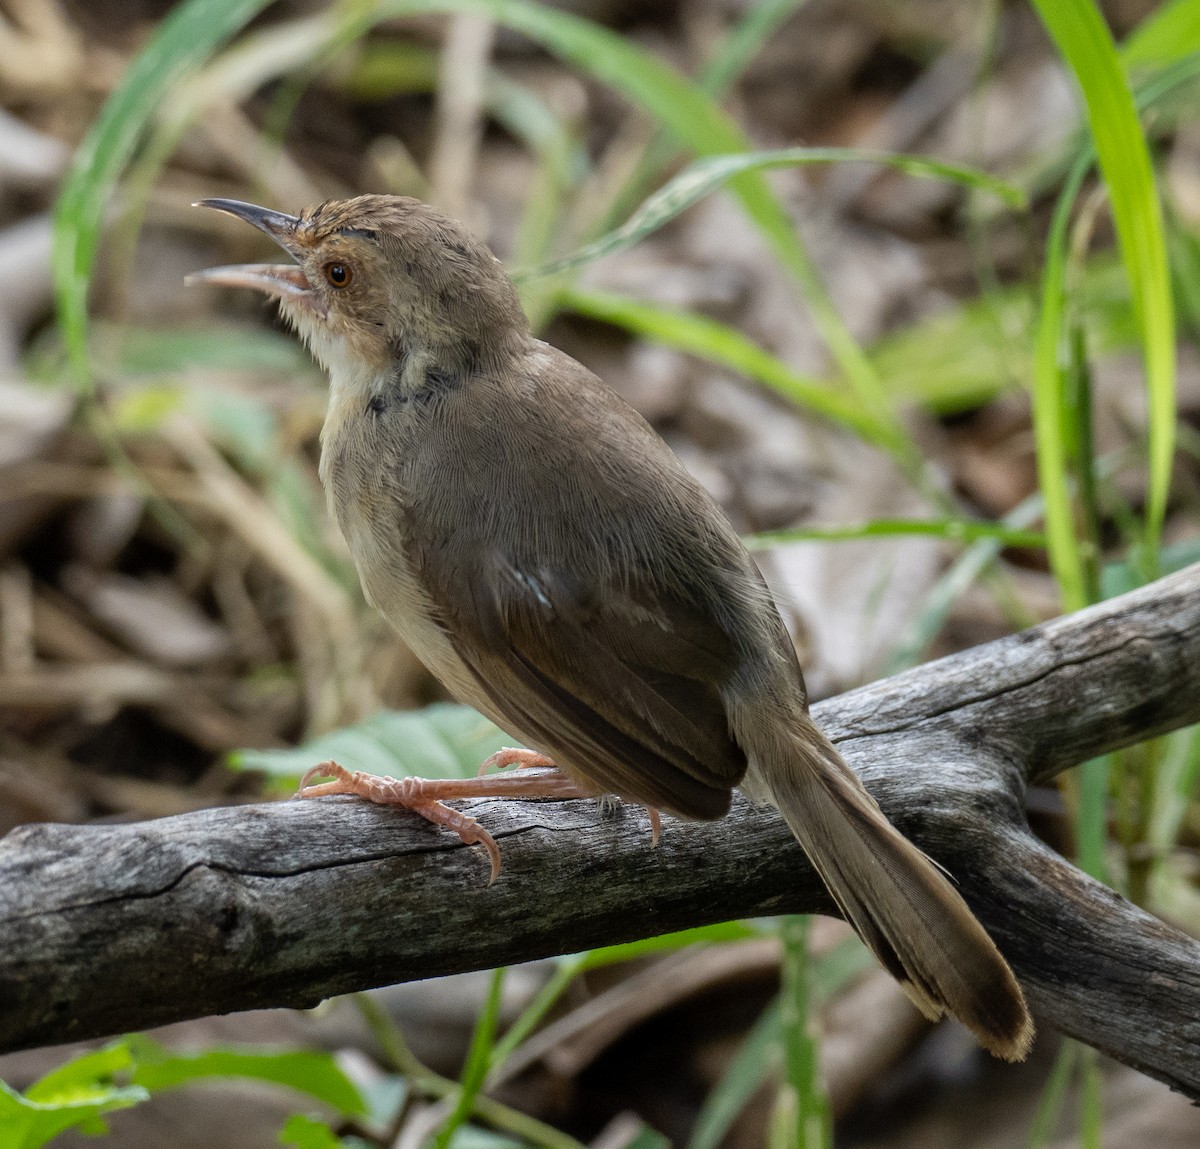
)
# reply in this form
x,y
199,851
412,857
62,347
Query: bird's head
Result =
x,y
378,280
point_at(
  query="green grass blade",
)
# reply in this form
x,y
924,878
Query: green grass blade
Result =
x,y
968,567
807,1102
705,176
1079,31
184,40
1051,358
478,1059
714,341
758,1056
732,55
1050,1107
744,42
1091,1116
956,530
1168,34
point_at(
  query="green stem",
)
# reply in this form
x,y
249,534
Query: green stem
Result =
x,y
811,1126
425,1081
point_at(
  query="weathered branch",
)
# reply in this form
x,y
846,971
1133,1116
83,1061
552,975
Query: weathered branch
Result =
x,y
110,928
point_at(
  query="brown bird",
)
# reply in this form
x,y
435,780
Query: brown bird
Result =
x,y
550,560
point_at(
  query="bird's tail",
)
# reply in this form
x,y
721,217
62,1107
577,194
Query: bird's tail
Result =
x,y
901,903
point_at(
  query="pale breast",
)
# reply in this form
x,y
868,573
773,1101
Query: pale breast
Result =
x,y
368,508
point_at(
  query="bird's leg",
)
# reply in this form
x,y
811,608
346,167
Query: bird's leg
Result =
x,y
655,825
520,757
425,796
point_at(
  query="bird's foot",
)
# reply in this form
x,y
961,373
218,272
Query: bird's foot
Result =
x,y
425,796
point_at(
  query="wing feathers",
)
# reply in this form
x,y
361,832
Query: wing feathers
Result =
x,y
625,690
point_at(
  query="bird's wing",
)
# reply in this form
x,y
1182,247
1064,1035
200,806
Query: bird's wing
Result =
x,y
622,689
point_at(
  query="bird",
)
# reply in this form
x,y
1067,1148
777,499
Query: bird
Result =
x,y
546,555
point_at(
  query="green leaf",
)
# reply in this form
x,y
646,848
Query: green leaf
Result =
x,y
646,1137
185,38
702,178
86,1070
315,1074
441,741
26,1125
1079,32
1118,578
304,1132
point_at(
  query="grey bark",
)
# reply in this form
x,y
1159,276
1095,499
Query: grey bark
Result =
x,y
110,928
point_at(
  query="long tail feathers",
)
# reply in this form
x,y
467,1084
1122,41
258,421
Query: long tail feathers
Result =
x,y
901,904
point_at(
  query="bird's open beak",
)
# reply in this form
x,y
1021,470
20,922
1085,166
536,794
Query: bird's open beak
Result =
x,y
284,281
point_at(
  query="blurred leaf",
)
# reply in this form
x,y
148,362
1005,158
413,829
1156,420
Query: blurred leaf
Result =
x,y
384,1097
699,335
214,347
85,1070
1169,33
73,1096
473,1137
1052,1102
1118,578
646,1138
1185,274
568,966
316,1074
440,741
963,572
142,410
308,1133
968,354
386,68
740,44
185,38
241,424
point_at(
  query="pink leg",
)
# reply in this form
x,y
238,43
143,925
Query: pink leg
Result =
x,y
513,756
425,796
526,759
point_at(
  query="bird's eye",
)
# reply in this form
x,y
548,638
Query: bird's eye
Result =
x,y
338,274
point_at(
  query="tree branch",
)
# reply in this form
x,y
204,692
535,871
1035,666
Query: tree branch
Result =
x,y
110,928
